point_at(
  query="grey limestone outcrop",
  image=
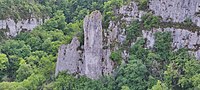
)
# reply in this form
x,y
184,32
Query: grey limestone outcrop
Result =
x,y
176,10
130,12
68,58
181,39
93,61
93,45
170,11
13,28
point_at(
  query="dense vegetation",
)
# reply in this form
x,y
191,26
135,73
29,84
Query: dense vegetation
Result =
x,y
27,62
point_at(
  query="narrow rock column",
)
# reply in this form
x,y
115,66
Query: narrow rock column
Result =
x,y
93,41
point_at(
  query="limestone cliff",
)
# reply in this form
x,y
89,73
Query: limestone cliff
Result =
x,y
176,10
181,39
93,41
170,11
93,61
13,28
68,57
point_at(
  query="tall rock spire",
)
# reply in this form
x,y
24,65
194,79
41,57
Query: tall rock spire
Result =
x,y
92,60
93,41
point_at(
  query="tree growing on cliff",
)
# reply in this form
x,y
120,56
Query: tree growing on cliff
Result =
x,y
132,75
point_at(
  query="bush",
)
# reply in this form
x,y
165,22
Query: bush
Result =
x,y
143,4
133,75
116,56
138,50
163,44
133,31
150,21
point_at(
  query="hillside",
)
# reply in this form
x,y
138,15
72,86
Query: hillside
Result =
x,y
100,45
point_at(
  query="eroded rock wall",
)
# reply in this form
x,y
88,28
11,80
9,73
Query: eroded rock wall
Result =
x,y
68,58
130,12
13,28
181,39
93,41
176,10
92,60
170,11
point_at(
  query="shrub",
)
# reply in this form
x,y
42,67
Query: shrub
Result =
x,y
133,31
163,44
150,21
143,4
116,56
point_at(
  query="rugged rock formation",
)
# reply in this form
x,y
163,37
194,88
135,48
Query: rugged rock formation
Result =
x,y
93,61
170,11
14,28
176,10
181,39
130,12
93,41
68,58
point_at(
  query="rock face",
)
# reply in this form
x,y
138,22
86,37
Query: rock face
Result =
x,y
68,57
181,39
93,41
15,28
176,10
93,61
170,11
130,12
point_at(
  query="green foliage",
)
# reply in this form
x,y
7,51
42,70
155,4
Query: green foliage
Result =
x,y
109,13
3,35
3,65
3,61
18,9
24,71
160,86
133,31
116,56
142,4
19,48
33,82
132,75
190,77
57,22
10,86
149,21
69,82
181,70
163,44
125,88
76,10
196,81
138,50
63,82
